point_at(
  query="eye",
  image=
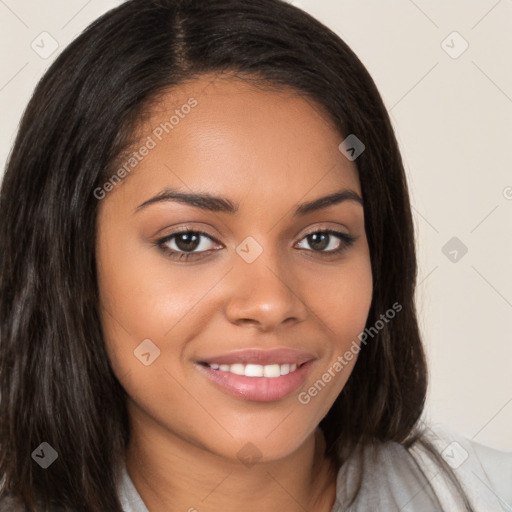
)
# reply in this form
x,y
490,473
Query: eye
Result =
x,y
184,244
324,241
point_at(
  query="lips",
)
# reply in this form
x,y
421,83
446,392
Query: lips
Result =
x,y
256,374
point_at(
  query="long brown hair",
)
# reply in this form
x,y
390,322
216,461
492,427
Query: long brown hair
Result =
x,y
56,383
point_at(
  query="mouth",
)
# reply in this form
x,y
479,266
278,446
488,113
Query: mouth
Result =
x,y
258,375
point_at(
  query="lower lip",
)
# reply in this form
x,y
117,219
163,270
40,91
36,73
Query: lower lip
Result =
x,y
258,389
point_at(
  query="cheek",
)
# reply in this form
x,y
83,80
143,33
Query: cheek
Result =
x,y
342,301
351,304
341,298
354,304
141,294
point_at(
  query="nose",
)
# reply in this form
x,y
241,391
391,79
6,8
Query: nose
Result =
x,y
263,295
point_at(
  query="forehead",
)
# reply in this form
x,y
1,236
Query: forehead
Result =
x,y
222,134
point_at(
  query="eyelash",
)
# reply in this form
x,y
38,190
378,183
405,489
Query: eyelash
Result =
x,y
346,242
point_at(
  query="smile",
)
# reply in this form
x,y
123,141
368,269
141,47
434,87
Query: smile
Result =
x,y
257,375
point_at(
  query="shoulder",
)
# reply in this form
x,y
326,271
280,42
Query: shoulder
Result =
x,y
497,465
485,473
384,476
392,477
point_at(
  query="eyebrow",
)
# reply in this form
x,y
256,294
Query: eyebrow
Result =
x,y
211,203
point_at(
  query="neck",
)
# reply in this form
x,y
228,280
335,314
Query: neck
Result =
x,y
171,474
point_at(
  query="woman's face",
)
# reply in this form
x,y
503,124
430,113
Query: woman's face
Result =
x,y
206,346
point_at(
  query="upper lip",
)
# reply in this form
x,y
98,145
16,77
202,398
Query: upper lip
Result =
x,y
262,357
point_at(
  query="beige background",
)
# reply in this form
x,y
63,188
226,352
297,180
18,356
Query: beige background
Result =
x,y
453,117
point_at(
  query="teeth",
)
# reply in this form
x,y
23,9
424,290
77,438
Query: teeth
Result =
x,y
271,370
237,369
253,370
256,370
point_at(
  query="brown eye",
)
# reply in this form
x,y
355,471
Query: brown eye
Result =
x,y
324,241
183,245
187,241
319,241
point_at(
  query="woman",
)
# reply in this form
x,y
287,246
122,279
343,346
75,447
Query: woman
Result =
x,y
208,275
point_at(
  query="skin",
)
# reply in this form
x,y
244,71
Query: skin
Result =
x,y
268,152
